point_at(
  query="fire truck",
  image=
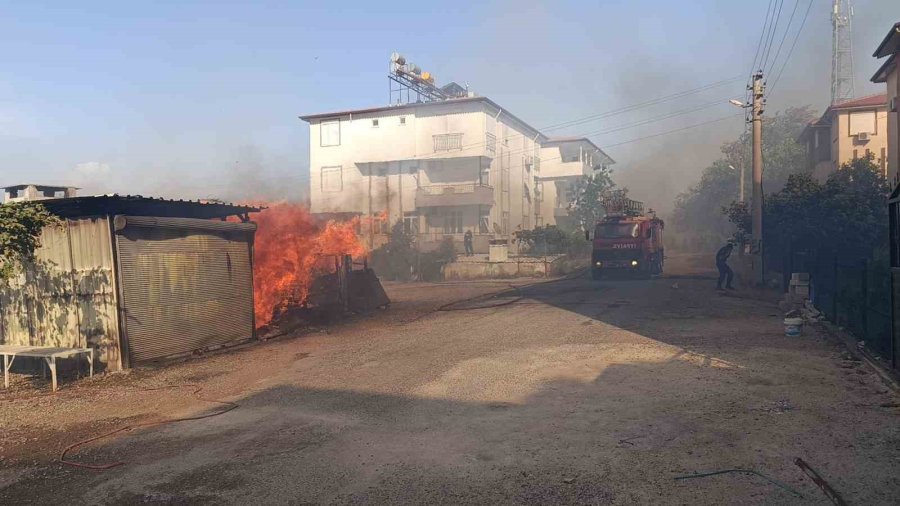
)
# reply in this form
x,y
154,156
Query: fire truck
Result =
x,y
627,240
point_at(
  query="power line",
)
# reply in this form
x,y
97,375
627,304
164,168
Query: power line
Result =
x,y
605,114
784,36
759,44
660,134
774,27
791,51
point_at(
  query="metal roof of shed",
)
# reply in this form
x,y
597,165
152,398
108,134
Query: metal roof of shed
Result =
x,y
137,205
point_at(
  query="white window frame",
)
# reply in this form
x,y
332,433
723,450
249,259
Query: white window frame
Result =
x,y
340,171
322,126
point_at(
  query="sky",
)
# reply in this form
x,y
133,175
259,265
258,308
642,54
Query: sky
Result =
x,y
200,99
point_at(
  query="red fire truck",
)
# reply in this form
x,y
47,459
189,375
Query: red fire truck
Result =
x,y
627,240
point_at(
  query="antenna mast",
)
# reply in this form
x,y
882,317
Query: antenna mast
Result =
x,y
841,51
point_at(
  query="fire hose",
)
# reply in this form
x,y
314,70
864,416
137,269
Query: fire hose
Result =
x,y
100,467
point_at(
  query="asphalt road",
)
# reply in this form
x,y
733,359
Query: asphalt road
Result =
x,y
567,392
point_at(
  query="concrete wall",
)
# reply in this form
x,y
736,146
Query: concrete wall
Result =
x,y
381,166
527,268
893,126
67,297
845,145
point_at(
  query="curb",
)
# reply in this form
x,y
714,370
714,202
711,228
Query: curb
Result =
x,y
888,377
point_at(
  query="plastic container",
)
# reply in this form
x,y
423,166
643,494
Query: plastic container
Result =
x,y
793,327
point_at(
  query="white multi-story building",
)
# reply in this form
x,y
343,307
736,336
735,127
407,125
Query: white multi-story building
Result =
x,y
443,168
564,162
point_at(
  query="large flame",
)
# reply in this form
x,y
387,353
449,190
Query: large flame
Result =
x,y
290,250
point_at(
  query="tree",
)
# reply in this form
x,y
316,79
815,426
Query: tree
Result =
x,y
695,215
846,215
21,224
588,191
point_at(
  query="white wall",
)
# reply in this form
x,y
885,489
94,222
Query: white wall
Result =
x,y
381,165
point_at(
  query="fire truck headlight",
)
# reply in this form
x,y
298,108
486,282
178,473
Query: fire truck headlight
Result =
x,y
599,264
634,263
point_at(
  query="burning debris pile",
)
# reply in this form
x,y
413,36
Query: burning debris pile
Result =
x,y
295,256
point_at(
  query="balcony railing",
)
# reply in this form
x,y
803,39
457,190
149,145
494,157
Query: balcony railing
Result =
x,y
447,142
457,194
490,143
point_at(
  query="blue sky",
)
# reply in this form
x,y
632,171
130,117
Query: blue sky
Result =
x,y
200,99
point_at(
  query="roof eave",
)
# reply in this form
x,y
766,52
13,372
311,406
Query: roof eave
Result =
x,y
892,37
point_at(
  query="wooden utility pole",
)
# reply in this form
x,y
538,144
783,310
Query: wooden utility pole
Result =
x,y
756,245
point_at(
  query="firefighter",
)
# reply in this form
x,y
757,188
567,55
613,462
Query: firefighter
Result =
x,y
467,243
725,272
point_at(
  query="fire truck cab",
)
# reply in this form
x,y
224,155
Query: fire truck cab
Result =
x,y
628,241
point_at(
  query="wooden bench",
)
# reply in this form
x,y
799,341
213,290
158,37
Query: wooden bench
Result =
x,y
48,353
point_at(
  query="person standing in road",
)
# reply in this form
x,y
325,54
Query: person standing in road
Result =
x,y
467,243
725,272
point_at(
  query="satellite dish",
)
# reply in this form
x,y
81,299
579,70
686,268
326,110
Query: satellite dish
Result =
x,y
397,58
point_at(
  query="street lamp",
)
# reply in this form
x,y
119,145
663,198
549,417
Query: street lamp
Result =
x,y
738,103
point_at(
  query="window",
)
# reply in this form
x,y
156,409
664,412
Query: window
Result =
x,y
855,154
504,222
402,120
374,123
330,133
332,179
453,222
411,223
616,230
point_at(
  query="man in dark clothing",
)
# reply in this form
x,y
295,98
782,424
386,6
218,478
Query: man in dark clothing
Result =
x,y
725,272
467,243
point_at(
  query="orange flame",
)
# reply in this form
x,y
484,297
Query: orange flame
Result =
x,y
289,250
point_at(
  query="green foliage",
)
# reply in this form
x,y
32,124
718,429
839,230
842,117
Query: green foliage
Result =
x,y
847,215
399,260
695,215
21,224
395,260
551,240
587,209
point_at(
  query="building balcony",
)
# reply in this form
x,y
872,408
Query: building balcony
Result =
x,y
457,194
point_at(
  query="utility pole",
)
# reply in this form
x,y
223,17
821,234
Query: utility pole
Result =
x,y
756,245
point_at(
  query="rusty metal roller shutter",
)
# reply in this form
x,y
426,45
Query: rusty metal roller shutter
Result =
x,y
186,284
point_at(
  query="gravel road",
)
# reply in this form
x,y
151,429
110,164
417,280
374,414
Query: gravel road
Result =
x,y
563,392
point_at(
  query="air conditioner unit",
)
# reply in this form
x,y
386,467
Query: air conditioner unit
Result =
x,y
862,136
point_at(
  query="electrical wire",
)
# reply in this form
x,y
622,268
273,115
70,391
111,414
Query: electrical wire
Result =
x,y
759,44
602,115
774,30
791,51
784,36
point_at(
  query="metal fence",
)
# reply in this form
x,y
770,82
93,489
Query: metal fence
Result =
x,y
857,297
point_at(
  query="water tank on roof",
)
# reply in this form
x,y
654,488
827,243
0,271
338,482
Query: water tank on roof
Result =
x,y
398,58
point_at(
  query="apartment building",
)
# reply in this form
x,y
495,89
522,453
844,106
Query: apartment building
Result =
x,y
846,131
564,162
442,168
889,74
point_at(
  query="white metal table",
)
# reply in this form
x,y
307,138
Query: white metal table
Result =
x,y
48,353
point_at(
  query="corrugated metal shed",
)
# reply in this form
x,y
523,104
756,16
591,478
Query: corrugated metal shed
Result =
x,y
186,284
167,280
67,296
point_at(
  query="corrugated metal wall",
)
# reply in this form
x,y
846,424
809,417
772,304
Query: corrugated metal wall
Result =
x,y
67,296
186,284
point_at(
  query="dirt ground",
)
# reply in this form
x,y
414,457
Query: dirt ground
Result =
x,y
570,391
